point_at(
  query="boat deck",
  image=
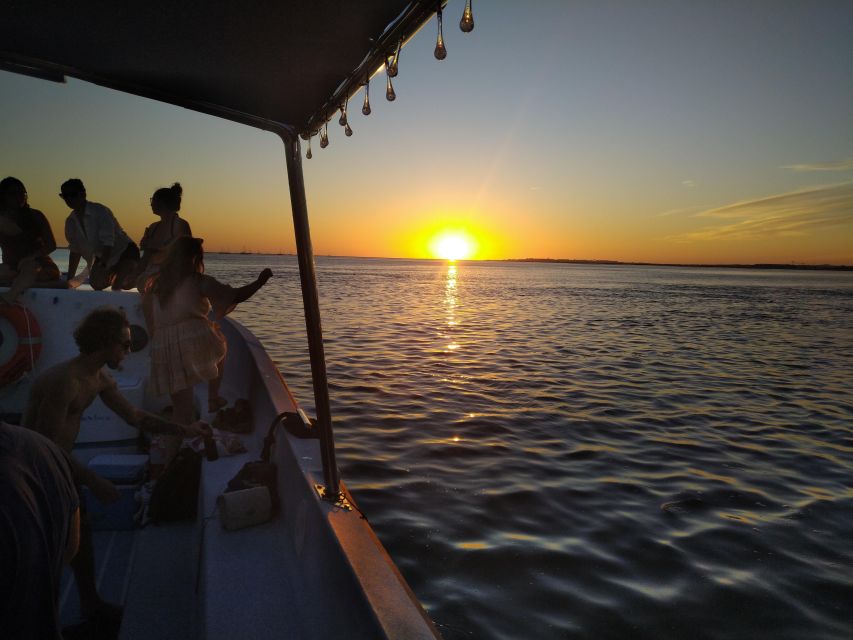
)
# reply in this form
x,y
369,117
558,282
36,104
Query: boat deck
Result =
x,y
316,571
150,572
114,552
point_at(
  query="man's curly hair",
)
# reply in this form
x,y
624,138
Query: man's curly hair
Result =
x,y
100,329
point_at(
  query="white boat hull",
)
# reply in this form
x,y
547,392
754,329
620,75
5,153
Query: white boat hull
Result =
x,y
316,571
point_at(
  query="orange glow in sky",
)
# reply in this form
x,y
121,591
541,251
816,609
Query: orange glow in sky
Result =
x,y
612,132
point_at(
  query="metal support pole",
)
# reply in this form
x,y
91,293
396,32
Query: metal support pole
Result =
x,y
311,302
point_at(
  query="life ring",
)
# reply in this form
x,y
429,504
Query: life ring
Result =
x,y
20,342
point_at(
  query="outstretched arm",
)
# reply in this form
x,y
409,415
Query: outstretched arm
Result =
x,y
146,421
244,293
224,298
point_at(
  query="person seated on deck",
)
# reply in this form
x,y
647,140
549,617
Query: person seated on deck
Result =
x,y
26,241
39,532
94,234
186,347
56,403
166,203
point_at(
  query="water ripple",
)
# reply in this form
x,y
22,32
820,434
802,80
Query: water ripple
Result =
x,y
561,451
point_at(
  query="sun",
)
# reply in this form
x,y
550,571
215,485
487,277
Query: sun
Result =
x,y
452,245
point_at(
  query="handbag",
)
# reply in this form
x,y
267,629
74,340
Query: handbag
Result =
x,y
263,473
175,494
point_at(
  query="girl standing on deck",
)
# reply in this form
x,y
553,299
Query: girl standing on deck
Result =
x,y
186,346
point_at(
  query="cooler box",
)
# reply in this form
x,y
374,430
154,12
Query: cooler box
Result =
x,y
127,472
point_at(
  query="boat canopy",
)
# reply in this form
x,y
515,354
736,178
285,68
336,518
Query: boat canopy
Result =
x,y
271,64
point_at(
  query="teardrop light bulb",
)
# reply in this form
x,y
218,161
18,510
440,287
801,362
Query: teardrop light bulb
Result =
x,y
440,50
343,119
309,155
348,130
365,108
324,136
467,21
391,63
389,91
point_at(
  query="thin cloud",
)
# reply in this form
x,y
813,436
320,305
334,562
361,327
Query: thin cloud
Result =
x,y
838,165
675,212
689,183
788,214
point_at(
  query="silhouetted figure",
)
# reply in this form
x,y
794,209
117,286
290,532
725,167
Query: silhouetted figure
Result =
x,y
187,347
94,234
39,532
26,240
166,203
57,400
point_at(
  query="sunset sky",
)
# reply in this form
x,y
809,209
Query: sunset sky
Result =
x,y
658,131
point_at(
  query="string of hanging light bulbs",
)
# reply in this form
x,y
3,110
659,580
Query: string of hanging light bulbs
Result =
x,y
466,25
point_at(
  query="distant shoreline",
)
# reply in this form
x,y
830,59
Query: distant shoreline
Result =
x,y
804,267
797,267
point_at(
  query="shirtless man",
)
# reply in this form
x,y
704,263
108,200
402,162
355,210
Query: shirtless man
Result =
x,y
58,398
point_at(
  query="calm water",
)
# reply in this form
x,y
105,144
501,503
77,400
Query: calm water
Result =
x,y
562,451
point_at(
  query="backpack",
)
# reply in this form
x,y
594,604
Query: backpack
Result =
x,y
175,495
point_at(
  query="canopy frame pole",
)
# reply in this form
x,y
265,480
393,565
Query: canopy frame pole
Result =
x,y
311,303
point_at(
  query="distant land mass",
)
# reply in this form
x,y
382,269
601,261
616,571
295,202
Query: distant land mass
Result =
x,y
760,265
806,267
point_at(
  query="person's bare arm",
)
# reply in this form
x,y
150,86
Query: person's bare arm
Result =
x,y
147,421
244,293
73,263
48,242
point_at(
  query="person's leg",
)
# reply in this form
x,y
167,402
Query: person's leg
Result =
x,y
183,412
83,565
126,269
100,277
183,407
214,401
125,275
27,273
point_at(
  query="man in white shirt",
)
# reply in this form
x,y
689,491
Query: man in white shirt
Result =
x,y
94,234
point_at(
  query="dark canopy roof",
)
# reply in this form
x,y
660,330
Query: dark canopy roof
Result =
x,y
266,63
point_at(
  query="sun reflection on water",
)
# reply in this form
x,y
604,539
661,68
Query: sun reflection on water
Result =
x,y
450,300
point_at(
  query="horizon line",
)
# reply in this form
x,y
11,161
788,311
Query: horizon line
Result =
x,y
755,265
742,265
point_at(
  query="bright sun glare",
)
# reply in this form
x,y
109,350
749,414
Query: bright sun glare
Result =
x,y
452,245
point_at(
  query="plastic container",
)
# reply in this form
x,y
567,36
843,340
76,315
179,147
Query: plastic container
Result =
x,y
126,471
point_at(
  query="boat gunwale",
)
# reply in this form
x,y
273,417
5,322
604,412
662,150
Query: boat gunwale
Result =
x,y
390,600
